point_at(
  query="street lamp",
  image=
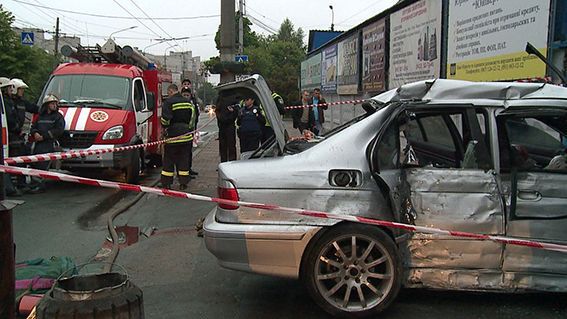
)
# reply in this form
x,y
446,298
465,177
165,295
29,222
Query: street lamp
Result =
x,y
151,45
125,29
332,18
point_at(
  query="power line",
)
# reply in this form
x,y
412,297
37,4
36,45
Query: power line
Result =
x,y
263,16
53,17
262,25
153,21
118,17
359,12
142,23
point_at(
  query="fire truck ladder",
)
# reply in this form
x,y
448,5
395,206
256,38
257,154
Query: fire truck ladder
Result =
x,y
110,52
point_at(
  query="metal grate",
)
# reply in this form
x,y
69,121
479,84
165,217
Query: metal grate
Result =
x,y
77,139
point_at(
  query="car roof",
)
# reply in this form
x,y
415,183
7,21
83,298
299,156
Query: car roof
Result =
x,y
492,93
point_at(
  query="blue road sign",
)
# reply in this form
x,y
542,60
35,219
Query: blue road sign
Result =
x,y
241,58
27,38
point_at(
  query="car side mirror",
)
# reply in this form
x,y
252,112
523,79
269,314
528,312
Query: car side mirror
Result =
x,y
151,98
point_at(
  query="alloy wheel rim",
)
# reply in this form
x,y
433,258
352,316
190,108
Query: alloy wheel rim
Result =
x,y
354,273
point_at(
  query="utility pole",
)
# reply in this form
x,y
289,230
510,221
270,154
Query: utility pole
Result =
x,y
57,37
228,39
241,26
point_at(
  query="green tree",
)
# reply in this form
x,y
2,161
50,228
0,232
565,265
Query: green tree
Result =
x,y
30,64
277,58
207,93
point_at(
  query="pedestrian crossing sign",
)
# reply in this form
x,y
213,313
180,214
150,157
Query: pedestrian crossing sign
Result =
x,y
27,38
241,58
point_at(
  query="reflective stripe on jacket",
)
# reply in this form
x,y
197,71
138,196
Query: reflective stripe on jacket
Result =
x,y
177,118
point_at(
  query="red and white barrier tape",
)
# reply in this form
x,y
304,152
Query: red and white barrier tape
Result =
x,y
83,153
295,107
304,212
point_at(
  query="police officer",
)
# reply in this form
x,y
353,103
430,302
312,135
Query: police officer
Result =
x,y
267,130
226,118
176,116
49,126
250,121
279,102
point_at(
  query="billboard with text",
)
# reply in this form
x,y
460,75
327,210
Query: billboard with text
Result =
x,y
487,39
415,43
373,59
347,75
311,72
329,69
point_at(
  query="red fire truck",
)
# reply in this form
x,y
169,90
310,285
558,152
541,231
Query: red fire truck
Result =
x,y
110,98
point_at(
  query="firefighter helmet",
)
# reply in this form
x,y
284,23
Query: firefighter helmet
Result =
x,y
19,83
49,98
4,81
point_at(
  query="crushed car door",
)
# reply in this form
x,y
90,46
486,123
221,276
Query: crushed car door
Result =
x,y
533,142
445,166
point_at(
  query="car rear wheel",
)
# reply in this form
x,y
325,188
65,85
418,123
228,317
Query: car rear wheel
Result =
x,y
353,271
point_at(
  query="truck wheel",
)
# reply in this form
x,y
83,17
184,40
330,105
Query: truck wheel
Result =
x,y
127,304
352,271
155,160
132,172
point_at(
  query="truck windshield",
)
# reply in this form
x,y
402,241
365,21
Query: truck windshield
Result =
x,y
99,90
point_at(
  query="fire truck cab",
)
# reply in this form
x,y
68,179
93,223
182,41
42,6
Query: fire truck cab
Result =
x,y
111,98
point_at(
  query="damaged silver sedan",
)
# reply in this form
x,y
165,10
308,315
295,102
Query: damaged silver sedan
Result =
x,y
475,157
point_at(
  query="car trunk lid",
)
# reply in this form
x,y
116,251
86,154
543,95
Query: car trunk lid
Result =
x,y
258,85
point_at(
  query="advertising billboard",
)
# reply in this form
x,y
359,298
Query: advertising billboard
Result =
x,y
347,75
415,43
487,39
373,51
311,72
329,69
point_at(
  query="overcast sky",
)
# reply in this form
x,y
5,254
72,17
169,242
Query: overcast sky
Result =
x,y
314,14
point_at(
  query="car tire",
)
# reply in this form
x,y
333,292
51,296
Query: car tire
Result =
x,y
127,304
132,172
371,277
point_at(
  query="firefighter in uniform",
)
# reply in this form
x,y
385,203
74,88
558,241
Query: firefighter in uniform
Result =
x,y
45,131
20,103
250,122
6,86
176,119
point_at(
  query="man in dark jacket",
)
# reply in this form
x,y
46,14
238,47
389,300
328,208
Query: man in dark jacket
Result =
x,y
226,117
176,121
45,131
310,118
317,112
250,122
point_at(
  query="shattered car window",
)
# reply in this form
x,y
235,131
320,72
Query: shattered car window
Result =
x,y
537,143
